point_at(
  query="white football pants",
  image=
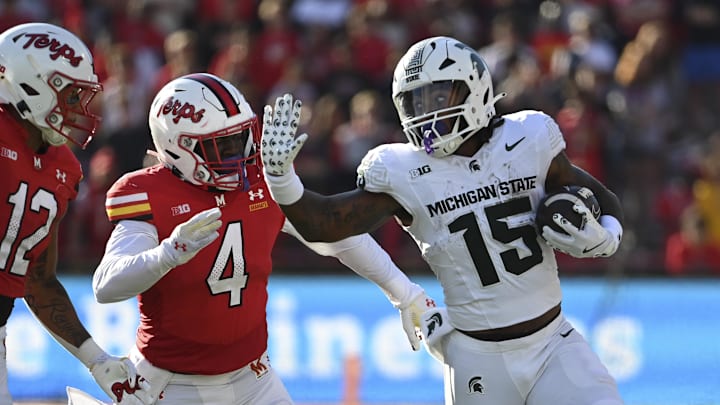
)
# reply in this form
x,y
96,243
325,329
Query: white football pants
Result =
x,y
5,398
555,366
254,384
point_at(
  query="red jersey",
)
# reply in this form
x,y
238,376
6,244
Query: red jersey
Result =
x,y
34,195
208,315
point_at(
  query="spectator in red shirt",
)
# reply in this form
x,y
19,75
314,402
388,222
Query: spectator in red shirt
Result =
x,y
689,251
276,44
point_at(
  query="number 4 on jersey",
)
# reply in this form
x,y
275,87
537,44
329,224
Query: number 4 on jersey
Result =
x,y
231,252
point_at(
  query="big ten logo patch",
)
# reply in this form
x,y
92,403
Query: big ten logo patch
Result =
x,y
180,209
420,171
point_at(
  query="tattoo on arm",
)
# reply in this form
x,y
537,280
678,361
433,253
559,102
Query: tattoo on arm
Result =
x,y
48,300
323,218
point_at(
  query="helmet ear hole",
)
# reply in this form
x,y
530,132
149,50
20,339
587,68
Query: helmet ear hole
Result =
x,y
486,96
30,91
172,154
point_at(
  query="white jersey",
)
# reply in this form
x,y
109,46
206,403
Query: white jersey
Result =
x,y
473,219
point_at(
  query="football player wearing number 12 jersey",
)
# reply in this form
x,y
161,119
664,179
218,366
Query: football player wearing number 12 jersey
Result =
x,y
465,187
47,80
193,241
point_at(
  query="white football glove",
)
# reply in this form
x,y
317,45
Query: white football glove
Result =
x,y
592,240
411,315
435,325
279,144
188,238
120,381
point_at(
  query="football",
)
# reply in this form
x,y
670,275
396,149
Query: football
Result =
x,y
562,202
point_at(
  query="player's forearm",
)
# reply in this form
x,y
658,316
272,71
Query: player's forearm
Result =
x,y
133,262
609,202
315,220
318,218
118,278
49,303
365,257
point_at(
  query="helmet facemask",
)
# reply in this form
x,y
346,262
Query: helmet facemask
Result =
x,y
71,117
430,113
227,159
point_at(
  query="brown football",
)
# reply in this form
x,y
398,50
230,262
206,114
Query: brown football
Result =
x,y
562,202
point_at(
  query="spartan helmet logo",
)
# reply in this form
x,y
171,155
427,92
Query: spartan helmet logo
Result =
x,y
474,385
434,321
474,166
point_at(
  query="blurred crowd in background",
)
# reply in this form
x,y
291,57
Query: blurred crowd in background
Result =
x,y
633,84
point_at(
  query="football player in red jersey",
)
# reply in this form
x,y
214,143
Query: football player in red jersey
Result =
x,y
193,240
47,80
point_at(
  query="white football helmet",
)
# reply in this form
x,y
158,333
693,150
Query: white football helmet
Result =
x,y
443,93
205,131
47,74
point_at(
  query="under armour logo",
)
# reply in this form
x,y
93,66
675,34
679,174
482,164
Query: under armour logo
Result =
x,y
258,368
429,302
180,246
60,175
259,194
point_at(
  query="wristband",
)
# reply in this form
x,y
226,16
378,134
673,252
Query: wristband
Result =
x,y
612,225
89,353
400,291
286,189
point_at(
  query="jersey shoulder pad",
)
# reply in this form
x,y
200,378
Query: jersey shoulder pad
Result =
x,y
129,196
375,170
538,124
67,170
67,160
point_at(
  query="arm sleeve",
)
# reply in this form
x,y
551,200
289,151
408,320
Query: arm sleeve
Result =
x,y
131,264
363,255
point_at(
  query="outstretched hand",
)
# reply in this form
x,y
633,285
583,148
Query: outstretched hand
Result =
x,y
279,144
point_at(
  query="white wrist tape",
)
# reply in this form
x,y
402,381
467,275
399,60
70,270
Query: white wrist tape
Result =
x,y
285,189
89,352
401,291
612,225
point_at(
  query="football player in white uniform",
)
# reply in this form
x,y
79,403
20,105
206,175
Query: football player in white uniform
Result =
x,y
466,187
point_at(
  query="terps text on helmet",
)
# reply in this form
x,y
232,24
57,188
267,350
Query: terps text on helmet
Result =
x,y
57,49
180,111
